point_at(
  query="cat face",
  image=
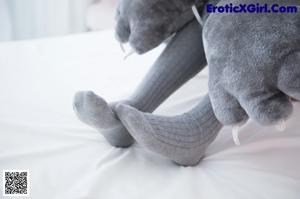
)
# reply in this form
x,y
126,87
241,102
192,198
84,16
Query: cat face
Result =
x,y
146,24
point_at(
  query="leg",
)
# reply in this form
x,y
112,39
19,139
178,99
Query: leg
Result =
x,y
183,138
182,59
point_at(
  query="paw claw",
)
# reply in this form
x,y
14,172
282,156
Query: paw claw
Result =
x,y
236,131
235,134
281,125
131,52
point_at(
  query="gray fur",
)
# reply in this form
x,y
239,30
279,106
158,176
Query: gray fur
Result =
x,y
254,64
146,24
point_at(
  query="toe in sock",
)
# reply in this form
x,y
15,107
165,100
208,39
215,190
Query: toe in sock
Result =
x,y
94,111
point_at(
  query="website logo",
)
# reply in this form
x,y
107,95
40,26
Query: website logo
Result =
x,y
252,8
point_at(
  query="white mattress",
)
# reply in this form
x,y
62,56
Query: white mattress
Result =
x,y
66,159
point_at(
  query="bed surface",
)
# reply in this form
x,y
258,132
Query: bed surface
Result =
x,y
67,159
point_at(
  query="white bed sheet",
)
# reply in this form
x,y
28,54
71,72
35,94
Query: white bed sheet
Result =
x,y
66,159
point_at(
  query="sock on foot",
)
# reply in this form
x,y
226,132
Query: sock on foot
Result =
x,y
94,111
183,138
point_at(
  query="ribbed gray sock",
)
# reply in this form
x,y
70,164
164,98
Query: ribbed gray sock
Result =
x,y
94,111
182,59
183,138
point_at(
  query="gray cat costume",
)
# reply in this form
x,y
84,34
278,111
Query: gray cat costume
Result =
x,y
253,65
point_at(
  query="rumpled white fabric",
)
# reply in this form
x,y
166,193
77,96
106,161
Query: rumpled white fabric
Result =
x,y
69,160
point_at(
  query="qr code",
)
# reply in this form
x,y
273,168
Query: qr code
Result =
x,y
15,183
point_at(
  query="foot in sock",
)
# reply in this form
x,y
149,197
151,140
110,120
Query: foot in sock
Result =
x,y
181,60
183,138
94,111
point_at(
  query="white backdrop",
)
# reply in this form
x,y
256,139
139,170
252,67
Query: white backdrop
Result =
x,y
24,19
